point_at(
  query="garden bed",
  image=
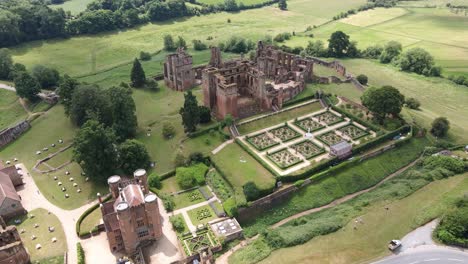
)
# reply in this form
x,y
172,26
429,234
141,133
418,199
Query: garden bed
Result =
x,y
328,118
284,158
284,133
308,149
353,131
261,141
330,138
201,215
307,124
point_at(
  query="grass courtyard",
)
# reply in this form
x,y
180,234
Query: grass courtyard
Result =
x,y
43,236
201,215
11,110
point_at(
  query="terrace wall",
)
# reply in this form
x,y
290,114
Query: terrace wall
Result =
x,y
10,134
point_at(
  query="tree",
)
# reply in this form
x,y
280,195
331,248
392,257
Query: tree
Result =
x,y
416,60
440,127
65,90
6,63
16,70
372,52
48,78
90,102
362,79
168,130
154,181
178,223
137,75
27,86
145,56
338,44
180,160
199,45
230,5
123,112
169,44
412,103
391,50
205,114
133,156
228,120
181,43
383,101
251,191
282,5
190,112
316,49
94,148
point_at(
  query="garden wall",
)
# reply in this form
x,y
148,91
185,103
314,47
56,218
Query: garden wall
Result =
x,y
10,134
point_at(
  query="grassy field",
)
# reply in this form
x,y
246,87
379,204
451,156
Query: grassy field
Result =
x,y
44,237
74,6
61,158
437,30
245,2
369,240
279,118
170,185
88,54
230,160
188,198
10,109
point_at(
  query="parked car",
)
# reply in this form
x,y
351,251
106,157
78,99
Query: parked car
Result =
x,y
394,244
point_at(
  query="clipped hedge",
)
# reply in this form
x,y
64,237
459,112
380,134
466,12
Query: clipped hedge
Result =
x,y
204,131
84,215
80,253
167,175
300,100
368,145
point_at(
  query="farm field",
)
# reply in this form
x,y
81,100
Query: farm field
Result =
x,y
368,242
439,31
74,6
245,2
88,54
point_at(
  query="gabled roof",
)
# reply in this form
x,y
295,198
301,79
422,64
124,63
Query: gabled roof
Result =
x,y
132,195
7,190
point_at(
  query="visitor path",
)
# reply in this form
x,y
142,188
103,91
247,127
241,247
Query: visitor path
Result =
x,y
220,147
7,87
223,259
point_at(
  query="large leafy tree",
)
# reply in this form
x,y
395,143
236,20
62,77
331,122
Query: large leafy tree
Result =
x,y
95,150
27,86
282,5
338,44
133,156
391,50
169,44
123,112
65,90
6,63
90,102
190,112
383,101
137,76
416,60
47,77
440,127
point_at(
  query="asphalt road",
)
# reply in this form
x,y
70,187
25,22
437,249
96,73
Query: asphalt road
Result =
x,y
428,256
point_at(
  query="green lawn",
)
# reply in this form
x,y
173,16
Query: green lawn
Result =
x,y
188,198
194,215
368,242
91,220
93,53
10,108
239,168
74,6
60,158
279,118
170,185
44,237
323,71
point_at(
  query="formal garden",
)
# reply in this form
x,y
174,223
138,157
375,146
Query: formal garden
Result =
x,y
308,124
262,141
307,149
284,133
203,239
284,158
201,215
330,138
328,118
353,132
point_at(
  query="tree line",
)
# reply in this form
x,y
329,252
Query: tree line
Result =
x,y
27,20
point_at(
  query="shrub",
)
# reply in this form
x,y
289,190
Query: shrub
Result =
x,y
80,253
177,223
198,45
168,202
205,114
440,127
168,130
194,175
446,162
154,181
151,85
362,79
230,207
412,103
453,228
251,191
180,160
145,56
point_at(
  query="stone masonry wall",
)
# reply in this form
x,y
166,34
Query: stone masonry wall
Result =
x,y
10,134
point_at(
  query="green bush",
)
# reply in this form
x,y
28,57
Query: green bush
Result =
x,y
168,202
219,185
154,181
80,253
230,207
446,162
145,56
453,228
251,191
177,223
188,177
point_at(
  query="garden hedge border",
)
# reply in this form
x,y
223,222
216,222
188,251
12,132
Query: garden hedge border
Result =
x,y
341,119
80,253
247,138
293,102
84,215
305,130
288,126
366,133
283,167
313,156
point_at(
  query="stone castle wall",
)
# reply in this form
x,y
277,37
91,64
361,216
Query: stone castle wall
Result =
x,y
10,134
